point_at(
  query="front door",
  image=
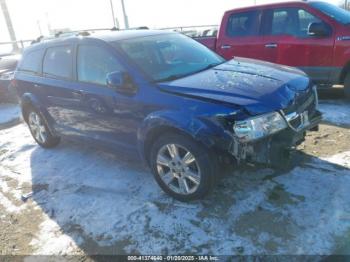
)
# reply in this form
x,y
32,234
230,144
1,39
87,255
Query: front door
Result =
x,y
287,42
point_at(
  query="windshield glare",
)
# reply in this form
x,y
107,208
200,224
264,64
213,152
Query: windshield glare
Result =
x,y
169,56
337,13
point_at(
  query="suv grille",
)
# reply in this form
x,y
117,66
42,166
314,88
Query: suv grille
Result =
x,y
306,102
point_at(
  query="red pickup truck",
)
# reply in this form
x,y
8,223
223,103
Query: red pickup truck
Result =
x,y
311,35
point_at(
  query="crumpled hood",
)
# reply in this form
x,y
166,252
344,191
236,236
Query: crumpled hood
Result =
x,y
258,86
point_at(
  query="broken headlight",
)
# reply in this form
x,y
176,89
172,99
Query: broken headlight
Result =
x,y
259,127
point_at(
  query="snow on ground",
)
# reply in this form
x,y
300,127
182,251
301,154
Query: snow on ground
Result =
x,y
112,201
9,113
336,112
106,200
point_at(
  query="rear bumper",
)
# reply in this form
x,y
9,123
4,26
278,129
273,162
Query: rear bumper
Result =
x,y
275,150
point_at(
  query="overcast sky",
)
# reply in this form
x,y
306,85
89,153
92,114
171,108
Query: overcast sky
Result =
x,y
30,15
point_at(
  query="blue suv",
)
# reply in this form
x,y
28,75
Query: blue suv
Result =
x,y
183,108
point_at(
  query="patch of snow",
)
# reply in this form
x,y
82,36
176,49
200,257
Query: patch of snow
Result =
x,y
342,159
54,239
336,112
9,206
9,113
112,200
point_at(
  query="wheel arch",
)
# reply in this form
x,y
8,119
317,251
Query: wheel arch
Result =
x,y
160,123
29,100
154,133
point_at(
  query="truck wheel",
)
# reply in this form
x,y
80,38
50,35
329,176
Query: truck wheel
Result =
x,y
347,86
39,129
183,168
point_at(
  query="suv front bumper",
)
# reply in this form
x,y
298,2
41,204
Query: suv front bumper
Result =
x,y
275,150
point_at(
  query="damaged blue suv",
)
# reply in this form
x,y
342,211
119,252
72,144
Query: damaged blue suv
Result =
x,y
183,108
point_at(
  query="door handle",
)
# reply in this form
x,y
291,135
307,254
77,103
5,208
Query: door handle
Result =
x,y
37,86
226,46
271,45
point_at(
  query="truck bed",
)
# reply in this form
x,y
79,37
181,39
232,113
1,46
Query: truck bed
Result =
x,y
209,42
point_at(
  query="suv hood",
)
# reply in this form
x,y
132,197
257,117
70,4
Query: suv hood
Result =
x,y
258,86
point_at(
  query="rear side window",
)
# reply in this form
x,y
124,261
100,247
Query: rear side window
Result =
x,y
95,63
243,24
283,22
31,62
58,62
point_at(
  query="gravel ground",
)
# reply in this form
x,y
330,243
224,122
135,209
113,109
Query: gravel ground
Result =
x,y
89,202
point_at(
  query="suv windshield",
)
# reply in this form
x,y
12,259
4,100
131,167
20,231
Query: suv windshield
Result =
x,y
337,13
168,57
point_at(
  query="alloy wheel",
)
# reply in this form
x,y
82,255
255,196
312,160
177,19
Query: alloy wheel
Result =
x,y
178,169
37,127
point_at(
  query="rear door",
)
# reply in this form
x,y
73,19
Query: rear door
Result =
x,y
58,86
241,35
287,42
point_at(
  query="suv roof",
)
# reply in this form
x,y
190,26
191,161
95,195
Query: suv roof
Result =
x,y
105,36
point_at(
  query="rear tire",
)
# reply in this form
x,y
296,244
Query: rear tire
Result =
x,y
39,129
347,86
182,167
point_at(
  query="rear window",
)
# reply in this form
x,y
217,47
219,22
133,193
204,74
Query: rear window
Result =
x,y
58,62
32,62
243,24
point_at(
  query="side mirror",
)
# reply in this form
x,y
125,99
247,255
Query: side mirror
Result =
x,y
319,29
121,82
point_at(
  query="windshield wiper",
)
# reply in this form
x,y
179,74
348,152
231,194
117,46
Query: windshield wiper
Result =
x,y
170,78
208,67
178,76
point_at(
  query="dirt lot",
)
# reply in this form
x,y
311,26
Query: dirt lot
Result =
x,y
90,202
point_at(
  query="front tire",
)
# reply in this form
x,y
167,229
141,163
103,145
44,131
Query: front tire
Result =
x,y
40,130
182,167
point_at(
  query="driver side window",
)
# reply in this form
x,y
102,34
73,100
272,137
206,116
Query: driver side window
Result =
x,y
95,63
292,21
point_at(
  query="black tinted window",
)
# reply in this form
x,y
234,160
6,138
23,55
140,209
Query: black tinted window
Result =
x,y
58,62
243,24
292,21
95,63
31,61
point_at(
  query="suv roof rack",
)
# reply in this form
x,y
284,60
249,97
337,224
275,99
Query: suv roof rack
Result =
x,y
85,32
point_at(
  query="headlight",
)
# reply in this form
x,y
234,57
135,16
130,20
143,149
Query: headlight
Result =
x,y
258,127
